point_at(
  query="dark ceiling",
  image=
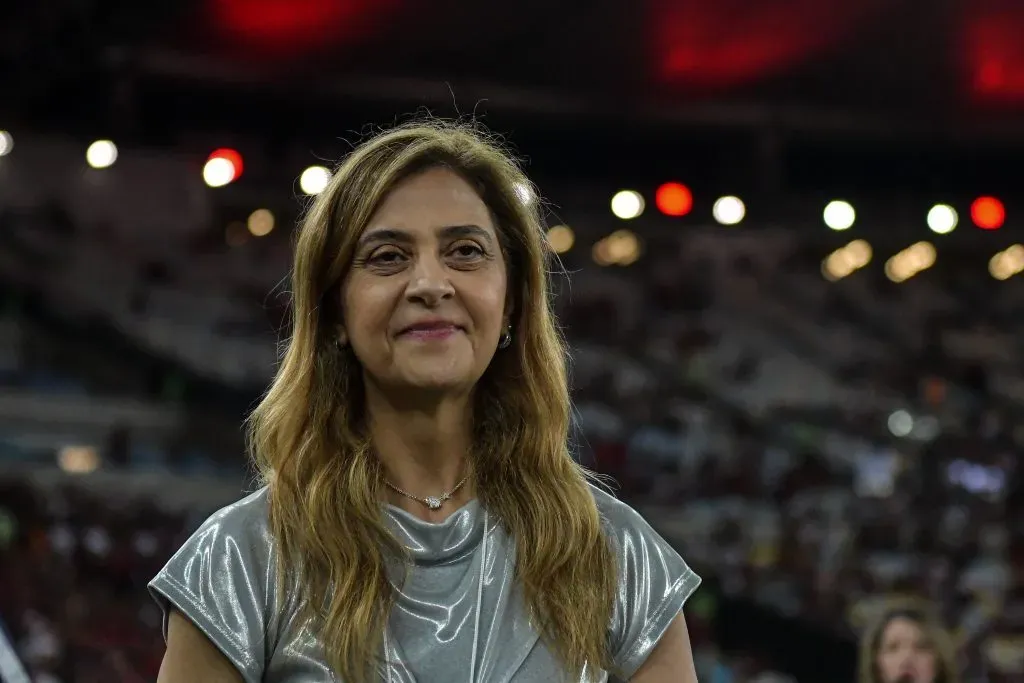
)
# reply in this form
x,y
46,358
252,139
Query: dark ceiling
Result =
x,y
947,61
739,72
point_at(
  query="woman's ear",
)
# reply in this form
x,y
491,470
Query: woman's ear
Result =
x,y
342,335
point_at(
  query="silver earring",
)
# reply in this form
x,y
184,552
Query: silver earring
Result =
x,y
506,338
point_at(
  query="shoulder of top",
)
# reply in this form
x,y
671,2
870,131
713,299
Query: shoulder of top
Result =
x,y
248,513
612,510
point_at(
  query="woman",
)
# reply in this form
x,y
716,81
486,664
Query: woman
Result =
x,y
422,519
906,644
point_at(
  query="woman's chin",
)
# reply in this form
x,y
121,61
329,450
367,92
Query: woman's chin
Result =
x,y
438,382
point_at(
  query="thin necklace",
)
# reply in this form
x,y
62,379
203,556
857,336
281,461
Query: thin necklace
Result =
x,y
432,502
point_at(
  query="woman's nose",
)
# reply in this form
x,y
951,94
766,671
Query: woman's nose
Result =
x,y
429,283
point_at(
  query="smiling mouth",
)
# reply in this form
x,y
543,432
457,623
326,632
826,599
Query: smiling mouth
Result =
x,y
431,333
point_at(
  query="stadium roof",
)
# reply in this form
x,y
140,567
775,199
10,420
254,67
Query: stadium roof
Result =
x,y
853,64
868,77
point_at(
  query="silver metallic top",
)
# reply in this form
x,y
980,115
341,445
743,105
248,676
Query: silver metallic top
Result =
x,y
459,616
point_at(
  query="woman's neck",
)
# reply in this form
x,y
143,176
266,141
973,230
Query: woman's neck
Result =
x,y
425,452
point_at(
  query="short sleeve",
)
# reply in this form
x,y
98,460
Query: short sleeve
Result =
x,y
654,584
221,579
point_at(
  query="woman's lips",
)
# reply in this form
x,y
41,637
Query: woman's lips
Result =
x,y
431,333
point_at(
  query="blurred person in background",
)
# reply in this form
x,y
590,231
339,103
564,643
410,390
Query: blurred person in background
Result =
x,y
422,519
907,644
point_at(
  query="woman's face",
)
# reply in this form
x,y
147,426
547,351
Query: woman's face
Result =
x,y
905,653
424,303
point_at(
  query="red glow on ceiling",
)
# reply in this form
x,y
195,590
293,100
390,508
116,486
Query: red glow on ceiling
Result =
x,y
994,49
294,25
728,42
674,199
988,213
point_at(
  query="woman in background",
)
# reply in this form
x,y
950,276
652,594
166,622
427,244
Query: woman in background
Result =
x,y
421,518
907,644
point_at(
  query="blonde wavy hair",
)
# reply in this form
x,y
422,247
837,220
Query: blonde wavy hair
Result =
x,y
921,613
308,436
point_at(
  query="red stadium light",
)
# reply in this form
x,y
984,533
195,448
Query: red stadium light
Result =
x,y
674,199
988,213
232,157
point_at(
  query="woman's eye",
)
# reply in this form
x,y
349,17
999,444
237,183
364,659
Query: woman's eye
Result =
x,y
385,256
467,250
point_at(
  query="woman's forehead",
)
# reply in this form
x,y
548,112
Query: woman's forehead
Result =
x,y
430,199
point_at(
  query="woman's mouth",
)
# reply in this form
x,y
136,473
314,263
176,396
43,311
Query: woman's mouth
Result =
x,y
429,332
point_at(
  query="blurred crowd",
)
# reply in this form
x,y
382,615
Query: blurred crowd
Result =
x,y
815,477
74,569
809,446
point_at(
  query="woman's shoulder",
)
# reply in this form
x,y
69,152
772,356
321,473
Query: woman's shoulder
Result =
x,y
222,580
238,534
618,517
654,582
247,516
638,545
243,525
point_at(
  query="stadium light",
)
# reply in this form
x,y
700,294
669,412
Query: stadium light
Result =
x,y
839,215
260,223
561,238
942,219
673,199
101,154
729,210
314,180
988,213
627,204
223,166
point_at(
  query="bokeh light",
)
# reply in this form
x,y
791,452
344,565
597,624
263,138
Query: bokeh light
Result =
x,y
6,143
988,213
839,215
561,238
942,219
260,223
101,154
674,199
627,204
218,172
729,210
314,180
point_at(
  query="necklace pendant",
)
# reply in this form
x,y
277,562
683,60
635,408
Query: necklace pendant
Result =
x,y
433,502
